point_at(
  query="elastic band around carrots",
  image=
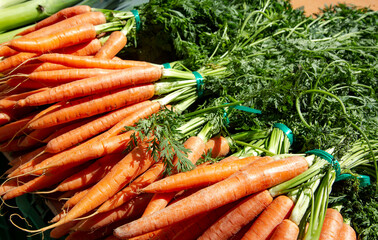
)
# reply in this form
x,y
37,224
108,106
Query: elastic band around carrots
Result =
x,y
167,65
286,130
138,23
199,80
328,157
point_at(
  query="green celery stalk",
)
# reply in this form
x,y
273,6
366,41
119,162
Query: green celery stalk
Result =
x,y
31,11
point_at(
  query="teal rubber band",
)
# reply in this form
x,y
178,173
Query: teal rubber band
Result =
x,y
225,117
167,65
364,179
138,23
199,80
329,158
247,109
286,130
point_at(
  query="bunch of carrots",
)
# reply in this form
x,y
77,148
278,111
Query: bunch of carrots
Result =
x,y
65,102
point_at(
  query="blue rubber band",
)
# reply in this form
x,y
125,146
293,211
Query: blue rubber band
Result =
x,y
329,158
246,109
364,179
167,65
286,130
200,83
138,23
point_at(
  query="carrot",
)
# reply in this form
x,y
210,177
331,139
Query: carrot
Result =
x,y
198,225
22,82
67,75
24,158
93,85
93,128
83,49
116,41
242,183
65,38
270,218
15,60
158,202
131,209
57,17
40,182
333,222
286,230
94,18
12,129
35,138
74,199
135,162
10,101
219,147
89,175
347,233
35,67
203,176
93,105
88,62
133,189
6,51
84,153
62,230
12,146
6,186
239,216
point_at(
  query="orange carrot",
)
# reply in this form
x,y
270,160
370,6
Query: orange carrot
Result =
x,y
6,51
93,85
35,67
24,158
270,218
91,174
40,182
13,145
83,49
62,230
89,62
67,75
57,17
35,138
65,38
94,18
131,209
10,101
286,230
86,152
15,60
242,183
135,162
12,129
239,216
333,222
97,126
133,189
203,176
13,183
74,199
22,82
93,105
116,41
347,233
158,202
219,146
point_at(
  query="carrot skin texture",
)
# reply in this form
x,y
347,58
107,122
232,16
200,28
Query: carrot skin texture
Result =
x,y
15,60
89,62
57,17
94,104
137,161
6,51
131,209
287,230
333,222
91,174
96,126
65,38
133,189
93,85
203,176
270,218
239,216
242,183
116,41
219,147
347,233
74,199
